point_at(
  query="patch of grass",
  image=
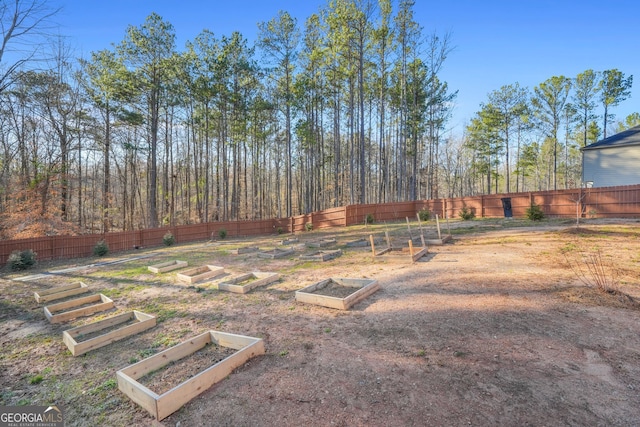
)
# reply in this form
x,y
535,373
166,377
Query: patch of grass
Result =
x,y
123,291
36,379
421,353
164,340
147,352
109,384
283,353
161,311
327,330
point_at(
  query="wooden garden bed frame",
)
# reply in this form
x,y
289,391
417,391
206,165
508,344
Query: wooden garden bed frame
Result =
x,y
321,256
234,284
244,250
362,289
167,266
60,292
142,322
321,243
201,273
400,254
362,243
163,405
67,310
276,253
290,241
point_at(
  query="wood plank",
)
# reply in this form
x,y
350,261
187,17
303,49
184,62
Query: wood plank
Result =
x,y
60,292
167,266
140,394
144,322
158,360
232,285
61,306
104,304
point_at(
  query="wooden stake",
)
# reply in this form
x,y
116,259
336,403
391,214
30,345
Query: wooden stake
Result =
x,y
411,248
421,232
373,245
438,225
386,234
409,227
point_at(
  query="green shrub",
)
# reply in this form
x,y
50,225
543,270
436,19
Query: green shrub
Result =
x,y
466,213
101,248
424,215
21,260
534,212
222,233
370,219
308,226
280,230
168,239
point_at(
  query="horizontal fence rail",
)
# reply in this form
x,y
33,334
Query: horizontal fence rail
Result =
x,y
603,202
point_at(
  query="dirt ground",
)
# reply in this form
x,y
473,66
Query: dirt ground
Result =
x,y
492,328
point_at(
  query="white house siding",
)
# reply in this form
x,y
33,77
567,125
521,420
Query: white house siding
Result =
x,y
611,166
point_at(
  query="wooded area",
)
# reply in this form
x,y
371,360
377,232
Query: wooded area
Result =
x,y
346,108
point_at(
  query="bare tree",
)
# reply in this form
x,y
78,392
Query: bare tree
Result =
x,y
23,25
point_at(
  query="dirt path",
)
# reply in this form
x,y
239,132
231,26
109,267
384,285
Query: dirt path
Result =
x,y
492,329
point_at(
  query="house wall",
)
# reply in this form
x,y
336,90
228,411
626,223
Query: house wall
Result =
x,y
611,166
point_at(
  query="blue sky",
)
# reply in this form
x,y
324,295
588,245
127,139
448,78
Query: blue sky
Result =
x,y
496,42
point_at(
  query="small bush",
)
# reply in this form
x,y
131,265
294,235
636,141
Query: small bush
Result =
x,y
424,215
535,213
101,248
280,230
222,233
168,239
21,260
370,219
466,213
308,226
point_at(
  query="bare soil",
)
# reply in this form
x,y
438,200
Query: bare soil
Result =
x,y
169,376
493,328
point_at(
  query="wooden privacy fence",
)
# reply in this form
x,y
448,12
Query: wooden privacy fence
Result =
x,y
612,202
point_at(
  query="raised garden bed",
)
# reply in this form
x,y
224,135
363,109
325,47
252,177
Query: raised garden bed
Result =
x,y
321,243
340,293
321,256
399,254
162,404
167,266
362,243
60,292
402,254
89,337
199,274
245,250
290,241
246,282
276,253
79,307
437,242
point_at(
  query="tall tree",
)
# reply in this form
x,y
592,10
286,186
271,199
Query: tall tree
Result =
x,y
107,83
614,88
279,38
147,49
383,46
549,101
510,103
630,121
585,90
